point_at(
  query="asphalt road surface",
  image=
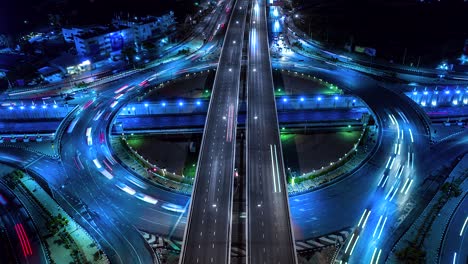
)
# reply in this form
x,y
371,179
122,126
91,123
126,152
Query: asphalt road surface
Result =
x,y
208,231
269,232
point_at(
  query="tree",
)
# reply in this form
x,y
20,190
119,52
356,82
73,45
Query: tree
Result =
x,y
148,45
129,54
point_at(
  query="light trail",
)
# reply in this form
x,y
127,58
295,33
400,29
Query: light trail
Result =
x,y
388,194
351,240
463,227
378,256
273,168
277,171
362,216
365,221
408,187
373,255
404,185
377,227
381,229
388,162
355,243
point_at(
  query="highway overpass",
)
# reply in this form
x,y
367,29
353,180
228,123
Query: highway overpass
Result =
x,y
207,236
269,231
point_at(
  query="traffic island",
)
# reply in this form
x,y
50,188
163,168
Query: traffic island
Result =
x,y
136,160
341,166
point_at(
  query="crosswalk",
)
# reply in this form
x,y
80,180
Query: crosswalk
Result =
x,y
302,246
318,243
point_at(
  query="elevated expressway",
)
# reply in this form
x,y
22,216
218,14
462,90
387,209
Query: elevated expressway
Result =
x,y
269,232
208,231
313,214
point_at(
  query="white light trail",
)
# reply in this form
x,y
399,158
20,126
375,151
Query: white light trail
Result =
x,y
350,241
148,199
404,185
114,104
121,89
463,227
391,119
408,158
411,182
383,184
365,221
273,168
373,255
277,171
378,256
391,164
352,249
411,135
362,216
96,162
88,131
377,227
401,171
388,162
388,194
107,174
381,229
381,179
391,198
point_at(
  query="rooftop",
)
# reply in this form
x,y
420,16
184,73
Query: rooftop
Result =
x,y
98,31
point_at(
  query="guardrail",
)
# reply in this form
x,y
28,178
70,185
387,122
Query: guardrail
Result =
x,y
60,130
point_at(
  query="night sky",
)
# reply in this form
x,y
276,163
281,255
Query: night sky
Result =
x,y
13,13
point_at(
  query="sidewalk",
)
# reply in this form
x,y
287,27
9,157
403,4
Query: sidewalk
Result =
x,y
433,240
85,247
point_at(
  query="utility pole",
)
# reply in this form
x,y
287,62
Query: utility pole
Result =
x,y
404,56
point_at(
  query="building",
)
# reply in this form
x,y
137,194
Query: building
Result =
x,y
105,41
99,41
50,74
149,27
